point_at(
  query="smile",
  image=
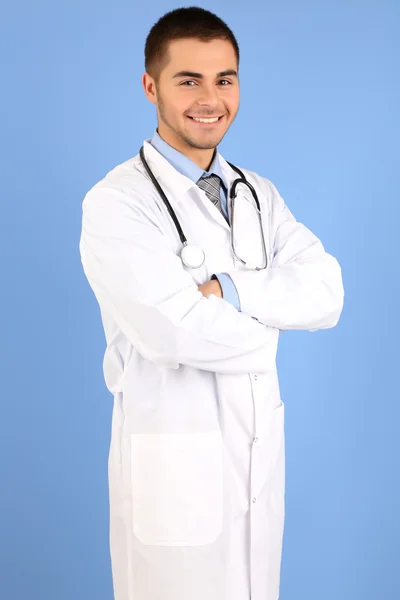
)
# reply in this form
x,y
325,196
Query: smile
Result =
x,y
207,121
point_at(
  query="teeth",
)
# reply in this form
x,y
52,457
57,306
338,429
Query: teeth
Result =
x,y
205,120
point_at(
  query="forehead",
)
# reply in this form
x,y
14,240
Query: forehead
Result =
x,y
195,55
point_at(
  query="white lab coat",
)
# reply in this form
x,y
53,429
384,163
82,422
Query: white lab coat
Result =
x,y
197,459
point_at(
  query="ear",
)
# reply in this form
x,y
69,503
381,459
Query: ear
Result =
x,y
149,86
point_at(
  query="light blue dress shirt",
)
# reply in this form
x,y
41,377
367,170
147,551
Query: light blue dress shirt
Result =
x,y
187,167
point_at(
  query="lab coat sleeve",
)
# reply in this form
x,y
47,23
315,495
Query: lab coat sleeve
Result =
x,y
140,281
302,288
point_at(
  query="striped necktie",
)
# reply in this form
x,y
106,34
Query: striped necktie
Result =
x,y
211,186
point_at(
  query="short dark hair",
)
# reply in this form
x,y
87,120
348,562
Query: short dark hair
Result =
x,y
183,23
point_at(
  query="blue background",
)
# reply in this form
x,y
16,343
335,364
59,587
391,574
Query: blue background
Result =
x,y
319,117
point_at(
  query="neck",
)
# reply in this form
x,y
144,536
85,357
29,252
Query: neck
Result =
x,y
202,158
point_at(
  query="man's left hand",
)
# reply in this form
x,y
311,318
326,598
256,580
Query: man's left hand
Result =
x,y
211,287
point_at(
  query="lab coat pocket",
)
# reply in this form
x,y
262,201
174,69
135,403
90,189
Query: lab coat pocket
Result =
x,y
177,497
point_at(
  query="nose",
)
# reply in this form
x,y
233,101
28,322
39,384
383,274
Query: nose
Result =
x,y
208,96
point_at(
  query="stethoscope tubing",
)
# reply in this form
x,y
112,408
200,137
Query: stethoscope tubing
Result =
x,y
233,194
163,196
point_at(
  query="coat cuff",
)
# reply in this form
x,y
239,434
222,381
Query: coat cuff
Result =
x,y
229,291
242,282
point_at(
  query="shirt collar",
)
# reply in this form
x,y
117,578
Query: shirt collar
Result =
x,y
183,164
174,184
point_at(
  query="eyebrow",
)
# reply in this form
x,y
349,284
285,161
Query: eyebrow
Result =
x,y
226,73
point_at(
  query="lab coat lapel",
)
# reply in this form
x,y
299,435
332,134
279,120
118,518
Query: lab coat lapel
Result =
x,y
178,187
212,210
228,176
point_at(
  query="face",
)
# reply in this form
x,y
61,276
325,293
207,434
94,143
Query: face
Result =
x,y
199,82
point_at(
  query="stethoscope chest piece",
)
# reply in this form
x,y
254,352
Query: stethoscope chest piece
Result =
x,y
192,256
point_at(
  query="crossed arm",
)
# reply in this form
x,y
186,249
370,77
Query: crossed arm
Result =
x,y
302,288
172,321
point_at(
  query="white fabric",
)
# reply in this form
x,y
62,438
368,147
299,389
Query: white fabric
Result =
x,y
197,462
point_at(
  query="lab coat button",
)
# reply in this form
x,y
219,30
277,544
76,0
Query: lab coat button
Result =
x,y
255,377
254,500
255,440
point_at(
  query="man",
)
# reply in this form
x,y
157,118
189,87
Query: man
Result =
x,y
196,465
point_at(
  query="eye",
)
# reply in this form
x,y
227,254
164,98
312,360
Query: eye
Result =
x,y
225,81
188,82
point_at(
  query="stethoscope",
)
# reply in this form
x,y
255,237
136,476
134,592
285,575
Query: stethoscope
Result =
x,y
191,255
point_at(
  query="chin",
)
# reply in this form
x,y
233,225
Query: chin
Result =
x,y
206,144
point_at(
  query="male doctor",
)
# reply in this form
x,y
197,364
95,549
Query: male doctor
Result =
x,y
197,459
